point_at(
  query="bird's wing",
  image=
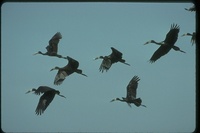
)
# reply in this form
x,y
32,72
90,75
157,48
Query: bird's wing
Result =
x,y
44,102
53,42
172,35
132,87
105,65
74,64
192,9
116,55
42,89
193,39
162,50
60,77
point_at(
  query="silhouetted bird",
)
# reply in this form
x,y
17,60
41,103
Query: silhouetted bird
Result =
x,y
167,44
115,56
193,38
52,48
191,9
45,99
63,72
131,94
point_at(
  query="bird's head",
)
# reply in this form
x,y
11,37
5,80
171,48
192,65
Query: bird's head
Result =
x,y
116,99
31,90
55,68
151,41
39,52
100,57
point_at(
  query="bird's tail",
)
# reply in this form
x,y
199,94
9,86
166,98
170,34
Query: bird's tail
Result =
x,y
138,102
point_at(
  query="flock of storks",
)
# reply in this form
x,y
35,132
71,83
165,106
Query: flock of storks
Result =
x,y
114,57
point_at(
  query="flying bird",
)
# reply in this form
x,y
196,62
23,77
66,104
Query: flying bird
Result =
x,y
63,72
45,99
131,94
115,56
167,44
191,9
193,38
52,48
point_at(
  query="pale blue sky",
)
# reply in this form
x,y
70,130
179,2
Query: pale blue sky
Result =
x,y
167,87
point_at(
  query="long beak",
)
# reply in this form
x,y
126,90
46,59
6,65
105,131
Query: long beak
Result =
x,y
113,100
96,58
126,63
52,69
143,105
100,57
184,35
28,91
182,51
36,53
83,74
147,42
62,96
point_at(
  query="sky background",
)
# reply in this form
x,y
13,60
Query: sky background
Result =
x,y
167,87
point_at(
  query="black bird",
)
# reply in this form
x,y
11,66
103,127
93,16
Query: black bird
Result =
x,y
131,94
45,99
63,72
115,56
52,48
167,44
193,38
191,9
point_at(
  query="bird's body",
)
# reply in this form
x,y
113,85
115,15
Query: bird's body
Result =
x,y
63,72
45,99
114,57
52,48
167,44
193,37
131,93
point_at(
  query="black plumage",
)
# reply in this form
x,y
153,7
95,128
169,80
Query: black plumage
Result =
x,y
45,99
193,37
131,93
167,44
67,70
52,48
115,56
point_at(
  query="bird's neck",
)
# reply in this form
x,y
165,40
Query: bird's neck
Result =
x,y
159,43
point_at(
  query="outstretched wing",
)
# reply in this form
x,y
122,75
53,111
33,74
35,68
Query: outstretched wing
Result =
x,y
42,89
193,39
192,9
172,35
105,65
116,55
44,102
161,51
53,43
72,63
60,77
132,87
